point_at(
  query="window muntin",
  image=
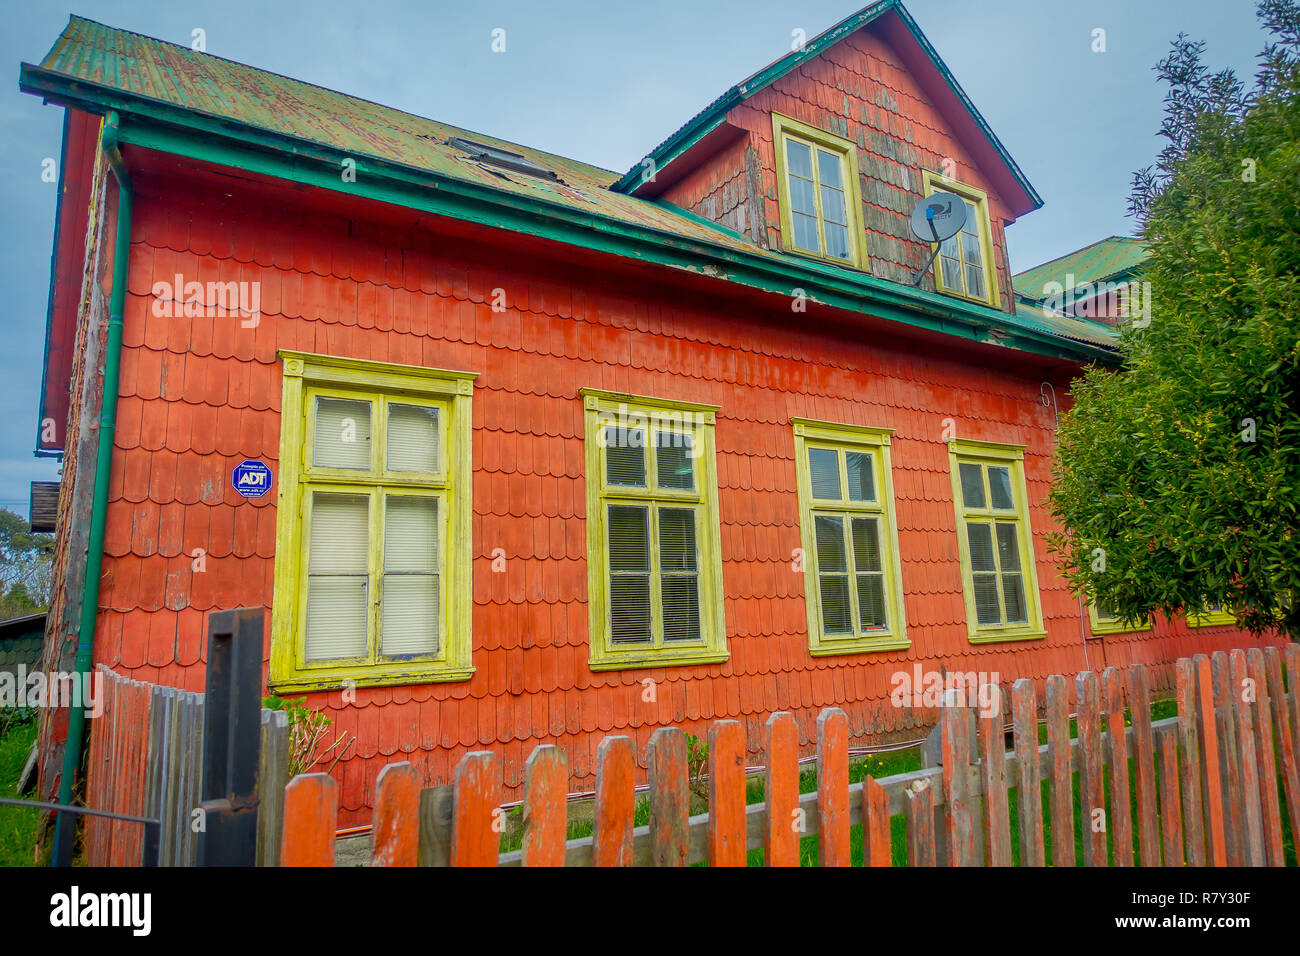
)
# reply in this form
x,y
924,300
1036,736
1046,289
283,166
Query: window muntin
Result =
x,y
998,572
817,181
964,266
373,543
654,568
853,586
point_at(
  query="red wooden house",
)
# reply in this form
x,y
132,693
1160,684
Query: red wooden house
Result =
x,y
555,452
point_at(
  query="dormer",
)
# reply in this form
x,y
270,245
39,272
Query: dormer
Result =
x,y
823,155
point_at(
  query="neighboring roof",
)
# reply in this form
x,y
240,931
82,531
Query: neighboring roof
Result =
x,y
21,626
1080,330
1105,259
920,57
194,104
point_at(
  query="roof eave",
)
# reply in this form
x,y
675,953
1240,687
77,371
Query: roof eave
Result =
x,y
157,125
681,141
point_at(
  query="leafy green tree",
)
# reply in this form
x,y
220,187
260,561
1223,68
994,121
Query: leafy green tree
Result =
x,y
1178,477
26,567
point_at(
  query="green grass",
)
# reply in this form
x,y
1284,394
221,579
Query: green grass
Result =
x,y
17,824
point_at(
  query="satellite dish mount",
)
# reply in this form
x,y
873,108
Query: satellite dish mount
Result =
x,y
936,219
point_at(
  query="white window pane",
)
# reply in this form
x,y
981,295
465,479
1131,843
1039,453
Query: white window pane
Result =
x,y
805,233
411,534
802,197
338,576
336,617
980,539
871,601
1013,590
833,205
410,614
828,169
975,282
799,158
412,438
971,249
972,485
1000,487
837,612
1008,547
951,273
342,438
340,534
673,462
862,480
837,241
824,470
625,456
866,544
831,553
987,609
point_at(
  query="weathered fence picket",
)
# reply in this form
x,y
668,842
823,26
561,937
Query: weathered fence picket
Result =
x,y
1205,782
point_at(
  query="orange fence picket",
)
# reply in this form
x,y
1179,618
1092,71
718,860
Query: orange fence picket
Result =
x,y
1227,752
311,814
397,817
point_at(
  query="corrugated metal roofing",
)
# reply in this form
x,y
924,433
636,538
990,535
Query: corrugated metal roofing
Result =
x,y
1080,330
1101,260
226,91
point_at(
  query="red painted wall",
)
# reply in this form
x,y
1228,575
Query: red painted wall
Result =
x,y
200,394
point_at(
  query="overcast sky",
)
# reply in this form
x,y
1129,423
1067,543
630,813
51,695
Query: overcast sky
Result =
x,y
605,82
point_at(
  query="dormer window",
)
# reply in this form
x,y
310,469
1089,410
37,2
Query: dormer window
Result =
x,y
965,264
817,178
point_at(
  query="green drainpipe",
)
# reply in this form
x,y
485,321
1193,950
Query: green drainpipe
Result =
x,y
63,833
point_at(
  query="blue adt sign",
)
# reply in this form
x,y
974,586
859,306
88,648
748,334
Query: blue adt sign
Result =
x,y
252,479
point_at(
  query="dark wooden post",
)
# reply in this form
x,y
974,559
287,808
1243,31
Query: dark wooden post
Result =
x,y
232,738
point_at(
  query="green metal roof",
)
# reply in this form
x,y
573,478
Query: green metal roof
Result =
x,y
1104,259
713,114
177,99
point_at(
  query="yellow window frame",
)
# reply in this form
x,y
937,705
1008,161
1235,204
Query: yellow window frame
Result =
x,y
809,434
306,377
1114,625
602,409
1011,457
933,182
1208,618
785,128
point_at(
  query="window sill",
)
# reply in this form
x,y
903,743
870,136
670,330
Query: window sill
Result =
x,y
336,680
1120,628
829,647
643,659
997,637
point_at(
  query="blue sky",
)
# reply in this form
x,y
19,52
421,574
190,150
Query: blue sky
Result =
x,y
605,82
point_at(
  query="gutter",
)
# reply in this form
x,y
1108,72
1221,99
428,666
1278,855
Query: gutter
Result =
x,y
207,138
63,835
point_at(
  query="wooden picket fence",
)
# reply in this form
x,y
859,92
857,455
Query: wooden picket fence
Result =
x,y
1206,785
146,755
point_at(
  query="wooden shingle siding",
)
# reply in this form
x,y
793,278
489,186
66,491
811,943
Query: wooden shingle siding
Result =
x,y
198,395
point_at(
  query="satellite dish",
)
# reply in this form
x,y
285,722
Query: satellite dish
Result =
x,y
936,218
939,217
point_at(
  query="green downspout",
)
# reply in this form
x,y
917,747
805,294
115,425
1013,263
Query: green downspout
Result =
x,y
63,834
